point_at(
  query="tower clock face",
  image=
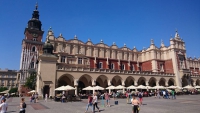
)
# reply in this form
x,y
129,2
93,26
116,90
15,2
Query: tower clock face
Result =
x,y
35,35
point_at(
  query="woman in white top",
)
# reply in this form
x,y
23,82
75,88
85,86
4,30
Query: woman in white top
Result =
x,y
3,106
95,100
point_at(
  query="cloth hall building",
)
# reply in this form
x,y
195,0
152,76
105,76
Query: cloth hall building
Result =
x,y
60,61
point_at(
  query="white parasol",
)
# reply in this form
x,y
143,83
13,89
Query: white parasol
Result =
x,y
141,87
131,87
111,87
88,88
98,88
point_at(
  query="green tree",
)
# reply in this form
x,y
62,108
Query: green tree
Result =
x,y
3,89
31,80
13,90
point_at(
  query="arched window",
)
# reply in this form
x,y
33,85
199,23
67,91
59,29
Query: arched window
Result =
x,y
33,49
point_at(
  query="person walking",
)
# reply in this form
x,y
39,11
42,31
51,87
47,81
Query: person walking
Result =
x,y
3,106
172,92
89,103
107,98
46,97
22,106
95,102
140,97
135,104
158,93
127,97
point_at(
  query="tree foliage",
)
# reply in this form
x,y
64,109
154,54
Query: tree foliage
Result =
x,y
3,89
31,80
13,90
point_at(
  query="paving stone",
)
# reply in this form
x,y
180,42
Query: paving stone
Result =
x,y
183,104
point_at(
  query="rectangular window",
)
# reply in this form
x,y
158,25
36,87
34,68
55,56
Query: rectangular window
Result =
x,y
161,68
62,59
123,67
34,39
100,65
80,61
132,68
112,66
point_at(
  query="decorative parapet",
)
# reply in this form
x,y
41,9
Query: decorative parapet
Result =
x,y
92,70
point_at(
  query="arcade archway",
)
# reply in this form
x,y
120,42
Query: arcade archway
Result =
x,y
184,82
129,81
152,82
66,79
171,82
116,80
197,82
141,81
84,81
102,81
162,82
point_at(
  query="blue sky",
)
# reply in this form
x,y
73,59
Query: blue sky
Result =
x,y
133,22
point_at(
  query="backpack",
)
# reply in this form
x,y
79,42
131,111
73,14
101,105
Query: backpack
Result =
x,y
140,95
24,105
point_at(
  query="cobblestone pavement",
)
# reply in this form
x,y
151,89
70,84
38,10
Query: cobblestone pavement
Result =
x,y
183,104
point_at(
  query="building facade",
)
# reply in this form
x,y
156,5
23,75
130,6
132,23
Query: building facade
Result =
x,y
81,64
73,62
8,78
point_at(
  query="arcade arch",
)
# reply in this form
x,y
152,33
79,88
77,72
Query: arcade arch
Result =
x,y
192,82
184,82
152,82
141,81
197,82
116,80
102,81
66,79
162,82
171,82
84,81
129,81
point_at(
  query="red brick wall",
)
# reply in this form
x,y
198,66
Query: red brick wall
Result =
x,y
30,36
92,65
168,66
147,66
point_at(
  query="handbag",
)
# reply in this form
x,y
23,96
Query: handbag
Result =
x,y
138,108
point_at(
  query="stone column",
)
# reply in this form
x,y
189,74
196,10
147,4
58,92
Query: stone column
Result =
x,y
194,83
76,86
109,84
51,90
157,83
123,84
147,84
135,84
166,84
93,84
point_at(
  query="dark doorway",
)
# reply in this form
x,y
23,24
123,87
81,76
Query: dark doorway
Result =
x,y
62,83
97,84
81,85
46,90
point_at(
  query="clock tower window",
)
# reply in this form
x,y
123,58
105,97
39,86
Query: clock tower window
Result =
x,y
33,49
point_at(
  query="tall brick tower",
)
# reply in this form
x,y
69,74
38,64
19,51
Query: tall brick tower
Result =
x,y
31,47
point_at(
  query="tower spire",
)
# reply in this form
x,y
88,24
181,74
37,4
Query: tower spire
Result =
x,y
36,6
